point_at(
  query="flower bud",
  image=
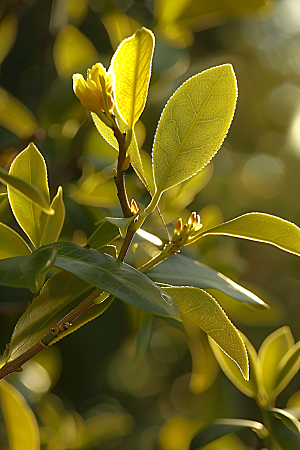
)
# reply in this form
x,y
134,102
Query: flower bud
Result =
x,y
133,207
178,226
126,163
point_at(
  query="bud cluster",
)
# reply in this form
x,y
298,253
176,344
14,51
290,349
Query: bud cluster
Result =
x,y
182,233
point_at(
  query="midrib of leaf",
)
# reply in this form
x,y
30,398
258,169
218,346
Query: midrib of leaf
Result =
x,y
134,86
31,205
161,184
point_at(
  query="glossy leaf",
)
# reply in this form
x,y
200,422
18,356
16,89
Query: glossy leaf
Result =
x,y
122,224
287,368
61,293
15,116
205,312
131,68
117,278
53,224
179,270
251,388
105,234
29,166
24,271
27,191
271,352
11,243
285,428
221,427
262,228
132,150
21,425
193,126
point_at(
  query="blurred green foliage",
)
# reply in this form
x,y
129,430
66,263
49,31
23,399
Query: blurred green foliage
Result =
x,y
103,397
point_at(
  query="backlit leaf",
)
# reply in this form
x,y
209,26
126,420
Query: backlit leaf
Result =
x,y
29,166
3,197
284,427
105,234
54,223
15,116
221,427
24,271
271,352
193,126
21,425
121,223
251,388
205,312
262,228
131,67
11,243
179,270
287,368
61,293
117,278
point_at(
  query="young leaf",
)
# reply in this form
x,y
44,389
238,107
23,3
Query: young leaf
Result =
x,y
179,270
193,126
117,278
11,243
105,234
29,166
271,352
61,293
251,388
262,228
122,224
24,271
221,427
285,428
205,312
26,190
53,224
287,368
21,425
131,67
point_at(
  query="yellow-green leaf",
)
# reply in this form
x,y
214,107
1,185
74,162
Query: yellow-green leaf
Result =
x,y
29,166
26,190
54,223
131,68
287,368
271,352
205,312
21,425
15,116
11,243
122,224
193,126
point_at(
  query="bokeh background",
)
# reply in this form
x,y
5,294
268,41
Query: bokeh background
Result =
x,y
88,392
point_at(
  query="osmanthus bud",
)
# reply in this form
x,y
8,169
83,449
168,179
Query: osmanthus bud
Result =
x,y
182,233
95,94
178,226
133,207
126,163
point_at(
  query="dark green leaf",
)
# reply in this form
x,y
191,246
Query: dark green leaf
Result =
x,y
24,271
285,428
104,234
117,278
221,427
179,270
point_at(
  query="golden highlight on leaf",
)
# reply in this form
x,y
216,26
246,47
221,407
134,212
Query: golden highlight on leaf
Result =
x,y
205,312
193,126
11,243
131,67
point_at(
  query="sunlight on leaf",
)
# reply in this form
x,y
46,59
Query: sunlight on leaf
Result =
x,y
53,224
11,243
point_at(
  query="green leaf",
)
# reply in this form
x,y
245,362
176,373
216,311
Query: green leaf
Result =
x,y
193,126
122,224
26,190
285,428
271,352
179,270
131,68
54,224
11,243
205,312
21,425
251,388
262,228
30,167
117,278
3,197
221,427
60,294
105,234
287,368
24,271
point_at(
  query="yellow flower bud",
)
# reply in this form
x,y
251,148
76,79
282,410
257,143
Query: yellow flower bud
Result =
x,y
133,207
